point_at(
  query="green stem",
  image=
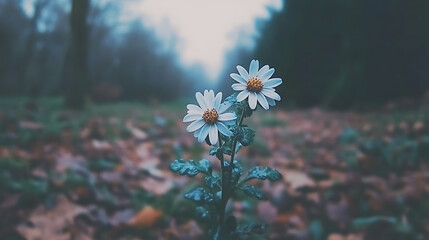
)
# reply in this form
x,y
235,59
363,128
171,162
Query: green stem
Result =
x,y
226,183
234,146
222,204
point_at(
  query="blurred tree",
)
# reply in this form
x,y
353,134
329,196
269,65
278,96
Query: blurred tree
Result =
x,y
79,82
13,28
71,49
29,49
343,53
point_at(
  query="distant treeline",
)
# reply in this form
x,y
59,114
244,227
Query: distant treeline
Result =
x,y
39,52
348,53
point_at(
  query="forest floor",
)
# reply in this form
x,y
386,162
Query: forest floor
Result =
x,y
103,173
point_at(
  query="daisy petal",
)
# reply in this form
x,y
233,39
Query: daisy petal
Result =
x,y
224,106
195,125
213,134
201,101
242,95
271,93
191,117
192,112
271,101
196,133
223,129
209,98
243,72
217,100
230,122
263,101
267,75
254,67
252,100
238,78
238,86
227,117
262,71
273,82
203,133
194,108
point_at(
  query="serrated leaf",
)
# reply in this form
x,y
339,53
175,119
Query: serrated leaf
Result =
x,y
191,168
239,106
236,172
214,151
212,181
253,191
217,151
262,174
244,135
205,166
246,108
199,195
232,99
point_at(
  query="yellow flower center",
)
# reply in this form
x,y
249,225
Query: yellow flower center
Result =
x,y
210,116
254,84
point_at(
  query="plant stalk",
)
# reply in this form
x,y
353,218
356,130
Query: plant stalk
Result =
x,y
222,201
226,182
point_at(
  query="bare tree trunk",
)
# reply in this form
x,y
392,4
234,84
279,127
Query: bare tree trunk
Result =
x,y
78,83
28,57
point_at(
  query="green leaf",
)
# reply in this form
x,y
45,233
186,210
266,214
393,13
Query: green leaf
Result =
x,y
246,108
204,213
262,174
191,168
101,165
13,165
236,172
217,151
253,191
317,230
360,223
199,195
239,106
205,166
74,180
349,135
232,99
212,181
31,187
244,135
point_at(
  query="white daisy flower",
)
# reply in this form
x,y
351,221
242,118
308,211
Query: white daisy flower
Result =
x,y
209,118
256,85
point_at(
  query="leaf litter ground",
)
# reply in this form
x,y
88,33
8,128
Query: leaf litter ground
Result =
x,y
103,174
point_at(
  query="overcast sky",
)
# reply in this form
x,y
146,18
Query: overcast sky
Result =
x,y
205,29
202,30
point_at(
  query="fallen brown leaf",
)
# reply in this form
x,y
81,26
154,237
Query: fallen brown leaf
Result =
x,y
51,223
147,217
